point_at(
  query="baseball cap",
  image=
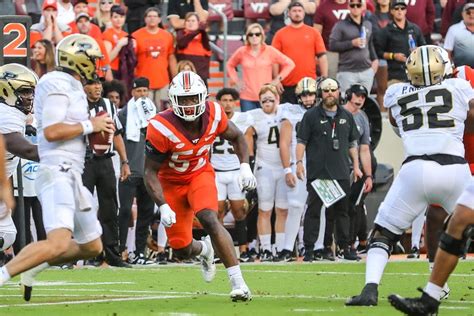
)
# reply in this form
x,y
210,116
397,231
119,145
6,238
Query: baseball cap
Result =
x,y
83,15
398,3
468,6
358,89
75,2
50,4
141,82
295,4
328,83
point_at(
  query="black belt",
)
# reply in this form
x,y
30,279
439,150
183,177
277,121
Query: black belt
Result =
x,y
442,159
103,157
218,170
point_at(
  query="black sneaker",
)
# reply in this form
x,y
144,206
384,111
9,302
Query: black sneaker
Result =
x,y
161,258
361,249
285,255
414,254
328,255
318,255
308,256
140,260
424,305
350,254
246,257
368,296
266,256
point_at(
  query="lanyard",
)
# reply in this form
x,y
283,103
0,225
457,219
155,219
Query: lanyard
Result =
x,y
333,134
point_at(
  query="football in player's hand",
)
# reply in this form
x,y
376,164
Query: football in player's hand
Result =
x,y
100,142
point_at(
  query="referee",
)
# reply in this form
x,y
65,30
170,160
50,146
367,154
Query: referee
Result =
x,y
99,173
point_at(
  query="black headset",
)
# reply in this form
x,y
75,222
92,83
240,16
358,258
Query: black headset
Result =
x,y
319,90
356,88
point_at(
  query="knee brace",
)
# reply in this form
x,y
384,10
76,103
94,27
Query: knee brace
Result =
x,y
386,240
453,246
6,240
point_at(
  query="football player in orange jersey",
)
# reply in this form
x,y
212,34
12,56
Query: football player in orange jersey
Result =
x,y
181,180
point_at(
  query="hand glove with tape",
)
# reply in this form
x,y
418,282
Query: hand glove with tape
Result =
x,y
247,180
168,216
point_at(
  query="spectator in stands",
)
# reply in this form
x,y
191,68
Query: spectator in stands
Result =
x,y
83,23
459,41
115,91
99,174
329,13
136,11
185,65
309,46
392,43
115,38
49,28
178,9
33,8
65,11
452,14
155,56
352,38
192,43
257,60
102,17
279,15
43,57
134,117
327,142
82,6
380,19
422,13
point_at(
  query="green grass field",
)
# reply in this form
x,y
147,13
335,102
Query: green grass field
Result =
x,y
278,289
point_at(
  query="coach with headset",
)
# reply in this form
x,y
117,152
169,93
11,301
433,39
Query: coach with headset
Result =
x,y
327,133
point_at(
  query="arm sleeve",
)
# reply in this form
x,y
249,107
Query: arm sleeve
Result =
x,y
304,131
232,63
336,44
155,138
286,64
276,42
319,46
449,39
380,42
365,138
183,40
173,8
354,134
55,109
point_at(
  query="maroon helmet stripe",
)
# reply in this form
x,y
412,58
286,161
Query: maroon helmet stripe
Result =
x,y
186,81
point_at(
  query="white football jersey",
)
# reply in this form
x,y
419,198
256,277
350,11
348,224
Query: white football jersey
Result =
x,y
267,129
294,114
12,120
431,119
73,150
223,157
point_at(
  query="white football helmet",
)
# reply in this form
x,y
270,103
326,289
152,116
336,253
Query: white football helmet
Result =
x,y
448,66
187,84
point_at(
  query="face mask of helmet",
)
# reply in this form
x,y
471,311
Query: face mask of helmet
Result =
x,y
188,95
17,84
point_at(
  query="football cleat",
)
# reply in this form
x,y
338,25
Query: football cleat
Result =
x,y
414,254
424,305
241,293
208,267
266,256
246,257
446,292
368,296
26,281
140,260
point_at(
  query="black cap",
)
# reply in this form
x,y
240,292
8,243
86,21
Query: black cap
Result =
x,y
75,2
295,4
141,82
358,89
398,3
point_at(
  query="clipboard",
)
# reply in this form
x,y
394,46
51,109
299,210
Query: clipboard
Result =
x,y
329,191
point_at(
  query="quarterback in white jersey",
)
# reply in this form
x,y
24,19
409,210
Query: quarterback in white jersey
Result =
x,y
429,113
271,188
68,207
227,167
291,116
17,85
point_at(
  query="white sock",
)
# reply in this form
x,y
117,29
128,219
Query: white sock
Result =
x,y
265,242
377,259
28,277
4,275
292,227
204,250
300,237
253,244
235,276
319,244
162,237
434,291
279,241
416,230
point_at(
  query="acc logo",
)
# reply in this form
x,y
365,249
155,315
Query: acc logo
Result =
x,y
29,170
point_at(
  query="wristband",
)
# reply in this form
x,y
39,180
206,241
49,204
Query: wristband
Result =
x,y
392,56
124,162
288,170
299,161
87,127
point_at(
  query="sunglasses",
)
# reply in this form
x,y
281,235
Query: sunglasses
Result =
x,y
254,34
399,8
355,5
268,100
330,90
106,2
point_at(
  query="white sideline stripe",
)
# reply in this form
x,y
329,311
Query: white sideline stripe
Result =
x,y
63,283
453,307
306,310
124,299
187,294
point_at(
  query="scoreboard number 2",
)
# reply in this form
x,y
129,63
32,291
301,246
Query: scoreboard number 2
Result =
x,y
16,47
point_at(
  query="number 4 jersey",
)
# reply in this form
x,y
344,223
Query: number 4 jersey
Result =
x,y
431,119
186,157
223,157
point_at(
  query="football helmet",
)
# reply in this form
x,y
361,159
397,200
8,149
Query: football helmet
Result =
x,y
17,86
425,66
78,53
188,84
306,86
448,65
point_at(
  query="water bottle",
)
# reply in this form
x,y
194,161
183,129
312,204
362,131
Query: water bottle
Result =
x,y
411,42
363,36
